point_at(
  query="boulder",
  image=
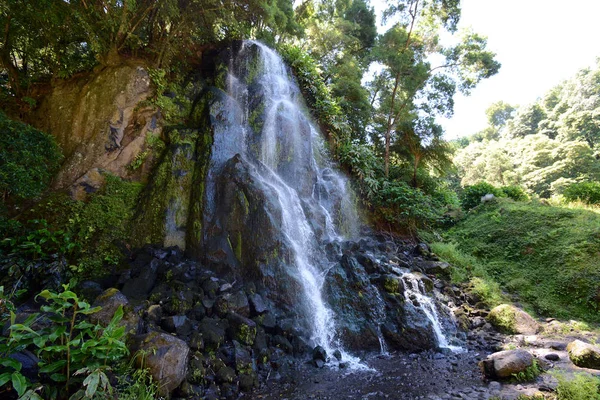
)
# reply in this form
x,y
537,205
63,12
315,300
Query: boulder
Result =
x,y
109,301
509,319
319,353
242,329
584,355
165,356
505,364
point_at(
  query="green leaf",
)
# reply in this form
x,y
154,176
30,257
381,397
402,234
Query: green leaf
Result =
x,y
5,377
11,363
90,311
55,334
92,384
53,366
58,377
40,341
68,295
46,294
19,383
30,395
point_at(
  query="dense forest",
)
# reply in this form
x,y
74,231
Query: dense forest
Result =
x,y
111,118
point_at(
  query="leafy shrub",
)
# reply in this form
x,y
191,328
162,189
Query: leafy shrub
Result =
x,y
587,192
578,387
471,196
83,235
72,352
515,192
28,159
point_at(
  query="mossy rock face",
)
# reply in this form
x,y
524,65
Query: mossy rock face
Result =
x,y
242,329
509,319
99,119
584,355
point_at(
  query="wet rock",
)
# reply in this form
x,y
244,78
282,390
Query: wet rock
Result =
x,y
154,313
225,375
89,290
109,301
213,333
166,357
29,363
242,329
238,303
139,286
422,249
552,357
338,355
505,364
319,353
512,320
244,363
179,324
282,343
257,304
584,354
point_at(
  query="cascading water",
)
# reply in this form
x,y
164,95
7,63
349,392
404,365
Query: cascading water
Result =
x,y
415,293
263,120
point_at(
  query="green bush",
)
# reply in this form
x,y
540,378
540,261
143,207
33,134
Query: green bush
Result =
x,y
578,387
471,196
83,235
587,192
28,159
73,353
515,192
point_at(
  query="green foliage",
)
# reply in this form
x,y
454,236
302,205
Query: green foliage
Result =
x,y
579,386
545,255
83,235
471,196
316,93
530,373
587,192
140,386
466,268
72,352
28,159
514,192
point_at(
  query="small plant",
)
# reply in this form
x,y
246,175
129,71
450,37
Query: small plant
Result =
x,y
579,386
71,351
530,373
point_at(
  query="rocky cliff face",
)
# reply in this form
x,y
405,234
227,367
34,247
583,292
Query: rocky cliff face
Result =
x,y
100,121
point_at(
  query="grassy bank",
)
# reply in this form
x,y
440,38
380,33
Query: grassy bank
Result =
x,y
547,256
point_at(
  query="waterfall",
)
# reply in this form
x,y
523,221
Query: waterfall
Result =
x,y
415,293
263,119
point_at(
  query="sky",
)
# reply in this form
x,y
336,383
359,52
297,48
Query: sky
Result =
x,y
539,43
